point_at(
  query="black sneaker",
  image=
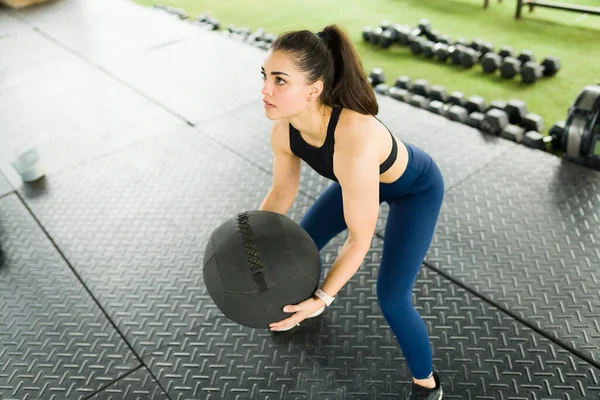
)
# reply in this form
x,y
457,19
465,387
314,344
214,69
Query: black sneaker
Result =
x,y
419,392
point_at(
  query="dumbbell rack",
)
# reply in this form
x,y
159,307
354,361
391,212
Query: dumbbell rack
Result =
x,y
259,38
423,40
509,119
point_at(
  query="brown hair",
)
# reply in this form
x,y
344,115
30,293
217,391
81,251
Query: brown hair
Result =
x,y
331,56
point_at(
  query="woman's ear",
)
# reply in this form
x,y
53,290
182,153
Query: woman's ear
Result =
x,y
315,90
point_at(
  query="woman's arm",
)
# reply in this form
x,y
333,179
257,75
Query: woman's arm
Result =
x,y
357,170
286,173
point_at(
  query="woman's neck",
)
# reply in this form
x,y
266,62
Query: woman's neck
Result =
x,y
312,122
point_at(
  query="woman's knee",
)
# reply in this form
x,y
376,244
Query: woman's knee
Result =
x,y
393,301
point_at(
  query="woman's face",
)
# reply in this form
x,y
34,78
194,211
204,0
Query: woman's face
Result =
x,y
285,90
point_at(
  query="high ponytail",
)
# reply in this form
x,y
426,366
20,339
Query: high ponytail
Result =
x,y
331,57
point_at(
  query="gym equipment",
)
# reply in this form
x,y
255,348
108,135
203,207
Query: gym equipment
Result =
x,y
509,119
469,57
513,132
257,262
456,52
368,34
435,106
421,87
516,110
382,88
376,76
457,98
403,82
490,62
556,132
441,51
418,100
178,12
533,122
475,52
399,94
416,44
494,121
580,139
208,22
423,28
237,32
437,92
535,140
457,113
476,103
506,51
499,104
531,72
511,66
427,49
475,119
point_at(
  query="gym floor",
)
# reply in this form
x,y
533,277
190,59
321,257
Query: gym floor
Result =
x,y
152,133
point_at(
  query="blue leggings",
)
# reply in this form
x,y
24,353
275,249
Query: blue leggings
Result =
x,y
414,201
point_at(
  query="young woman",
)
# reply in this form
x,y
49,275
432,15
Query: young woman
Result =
x,y
323,107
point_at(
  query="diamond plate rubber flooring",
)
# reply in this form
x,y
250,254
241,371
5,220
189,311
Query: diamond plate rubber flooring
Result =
x,y
147,151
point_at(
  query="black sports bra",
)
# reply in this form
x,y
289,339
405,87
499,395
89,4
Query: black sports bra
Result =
x,y
321,158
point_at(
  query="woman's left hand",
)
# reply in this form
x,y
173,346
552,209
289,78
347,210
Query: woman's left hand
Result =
x,y
300,310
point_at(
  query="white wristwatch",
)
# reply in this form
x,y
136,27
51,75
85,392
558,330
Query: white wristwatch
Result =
x,y
324,296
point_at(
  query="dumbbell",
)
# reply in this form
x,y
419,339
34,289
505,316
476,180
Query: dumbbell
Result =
x,y
495,121
416,44
531,72
441,51
476,104
427,49
387,34
258,38
376,76
457,113
423,28
418,100
404,33
419,88
455,53
368,34
475,119
471,55
437,107
556,133
382,88
518,114
401,89
438,92
511,66
399,94
420,93
208,22
376,35
536,140
178,12
457,98
452,107
490,62
238,33
403,82
269,37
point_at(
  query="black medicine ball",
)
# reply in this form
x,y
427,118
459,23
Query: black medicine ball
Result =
x,y
256,263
